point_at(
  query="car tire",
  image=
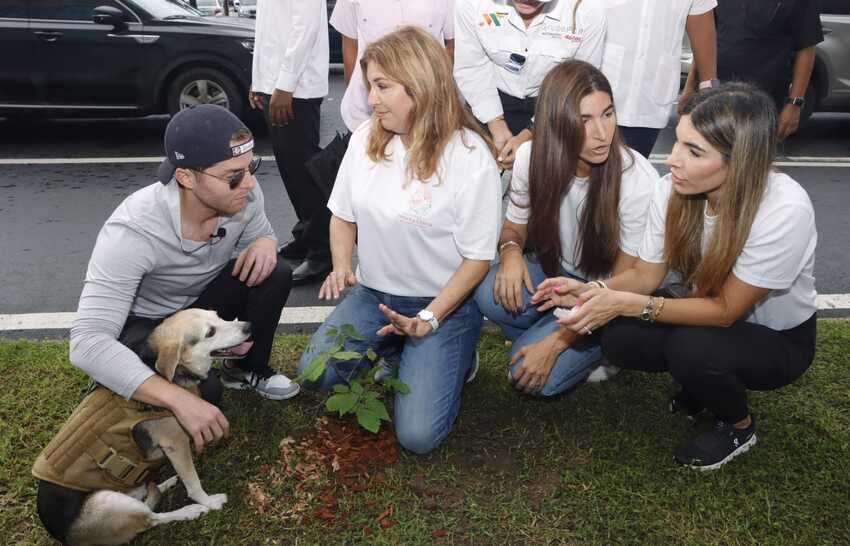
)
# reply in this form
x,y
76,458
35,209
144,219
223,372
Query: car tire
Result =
x,y
205,86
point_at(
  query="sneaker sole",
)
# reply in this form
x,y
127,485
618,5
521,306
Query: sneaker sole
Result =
x,y
743,448
278,396
240,386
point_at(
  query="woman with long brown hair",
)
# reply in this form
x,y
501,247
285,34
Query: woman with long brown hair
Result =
x,y
743,238
418,192
578,203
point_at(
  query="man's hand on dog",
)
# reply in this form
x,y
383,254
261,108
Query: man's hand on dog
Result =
x,y
256,262
202,421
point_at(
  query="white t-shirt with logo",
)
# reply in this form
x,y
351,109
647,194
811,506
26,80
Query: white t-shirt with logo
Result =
x,y
636,188
412,235
779,253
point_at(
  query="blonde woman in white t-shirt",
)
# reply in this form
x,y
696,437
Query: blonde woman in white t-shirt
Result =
x,y
743,237
578,204
418,191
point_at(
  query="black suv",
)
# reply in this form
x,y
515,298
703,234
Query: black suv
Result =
x,y
120,57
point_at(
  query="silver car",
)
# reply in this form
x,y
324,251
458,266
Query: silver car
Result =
x,y
829,89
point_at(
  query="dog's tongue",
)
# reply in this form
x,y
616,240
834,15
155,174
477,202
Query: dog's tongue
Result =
x,y
241,349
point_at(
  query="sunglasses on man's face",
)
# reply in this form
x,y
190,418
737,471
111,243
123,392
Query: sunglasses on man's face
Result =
x,y
236,178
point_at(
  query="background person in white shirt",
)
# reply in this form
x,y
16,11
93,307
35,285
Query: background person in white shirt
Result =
x,y
362,22
290,77
744,237
643,49
505,48
418,191
578,201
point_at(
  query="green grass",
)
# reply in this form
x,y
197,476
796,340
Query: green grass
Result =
x,y
592,467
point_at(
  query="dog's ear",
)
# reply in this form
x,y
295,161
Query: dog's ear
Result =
x,y
168,356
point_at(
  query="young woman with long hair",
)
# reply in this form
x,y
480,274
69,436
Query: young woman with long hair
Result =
x,y
743,238
418,191
578,203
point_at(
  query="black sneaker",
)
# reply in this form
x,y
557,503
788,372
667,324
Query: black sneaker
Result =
x,y
682,402
716,447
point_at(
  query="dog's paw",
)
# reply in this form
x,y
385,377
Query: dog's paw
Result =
x,y
168,484
215,502
602,373
194,511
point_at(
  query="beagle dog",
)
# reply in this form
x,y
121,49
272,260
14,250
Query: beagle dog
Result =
x,y
78,513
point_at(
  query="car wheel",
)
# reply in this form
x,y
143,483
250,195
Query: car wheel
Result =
x,y
204,86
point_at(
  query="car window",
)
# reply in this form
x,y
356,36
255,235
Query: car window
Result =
x,y
13,9
168,9
835,7
71,10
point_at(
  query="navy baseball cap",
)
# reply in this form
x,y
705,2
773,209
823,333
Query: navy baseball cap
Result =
x,y
199,136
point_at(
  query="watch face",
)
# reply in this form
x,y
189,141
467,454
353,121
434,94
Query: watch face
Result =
x,y
425,315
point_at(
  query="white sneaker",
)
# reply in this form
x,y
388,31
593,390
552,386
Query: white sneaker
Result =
x,y
384,372
276,387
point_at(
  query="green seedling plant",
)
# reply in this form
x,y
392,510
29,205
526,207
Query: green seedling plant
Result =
x,y
360,395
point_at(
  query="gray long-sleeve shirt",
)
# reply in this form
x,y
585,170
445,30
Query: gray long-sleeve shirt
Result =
x,y
142,266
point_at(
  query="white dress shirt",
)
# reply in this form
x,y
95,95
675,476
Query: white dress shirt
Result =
x,y
642,59
291,48
367,21
489,31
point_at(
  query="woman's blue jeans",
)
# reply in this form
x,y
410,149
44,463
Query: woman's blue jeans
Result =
x,y
529,326
434,366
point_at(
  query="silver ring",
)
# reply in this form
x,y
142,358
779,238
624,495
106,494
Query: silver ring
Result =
x,y
587,330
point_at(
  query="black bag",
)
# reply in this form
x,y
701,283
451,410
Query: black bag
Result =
x,y
324,166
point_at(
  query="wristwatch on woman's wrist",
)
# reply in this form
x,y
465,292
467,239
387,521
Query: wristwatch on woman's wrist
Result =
x,y
427,316
649,308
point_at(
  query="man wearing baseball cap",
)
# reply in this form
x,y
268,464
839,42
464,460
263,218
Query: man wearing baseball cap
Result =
x,y
199,237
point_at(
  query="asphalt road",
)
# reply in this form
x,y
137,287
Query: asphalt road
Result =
x,y
50,213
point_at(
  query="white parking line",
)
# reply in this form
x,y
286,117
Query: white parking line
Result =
x,y
290,315
801,161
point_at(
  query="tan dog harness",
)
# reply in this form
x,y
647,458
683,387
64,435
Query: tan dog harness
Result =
x,y
95,447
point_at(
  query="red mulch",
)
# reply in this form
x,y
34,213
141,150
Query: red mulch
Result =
x,y
334,459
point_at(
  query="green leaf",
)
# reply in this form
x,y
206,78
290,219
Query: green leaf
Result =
x,y
349,331
342,403
315,369
368,419
356,387
341,388
371,355
397,385
331,332
378,408
347,355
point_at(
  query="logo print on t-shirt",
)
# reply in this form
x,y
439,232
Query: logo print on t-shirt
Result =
x,y
419,203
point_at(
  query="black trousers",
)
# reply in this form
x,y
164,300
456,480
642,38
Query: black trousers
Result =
x,y
640,139
260,305
715,366
517,112
293,144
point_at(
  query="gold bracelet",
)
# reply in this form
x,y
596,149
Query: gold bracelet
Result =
x,y
657,311
600,283
508,243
